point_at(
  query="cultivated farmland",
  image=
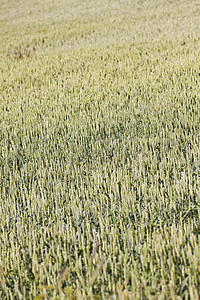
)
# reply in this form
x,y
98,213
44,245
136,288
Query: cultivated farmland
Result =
x,y
99,149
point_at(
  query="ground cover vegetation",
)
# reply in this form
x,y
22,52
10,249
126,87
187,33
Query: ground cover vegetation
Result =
x,y
99,149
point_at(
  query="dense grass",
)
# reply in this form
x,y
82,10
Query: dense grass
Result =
x,y
99,150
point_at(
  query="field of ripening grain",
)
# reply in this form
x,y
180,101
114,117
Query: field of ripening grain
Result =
x,y
99,149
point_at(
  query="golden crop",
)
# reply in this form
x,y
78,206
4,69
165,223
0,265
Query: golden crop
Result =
x,y
99,149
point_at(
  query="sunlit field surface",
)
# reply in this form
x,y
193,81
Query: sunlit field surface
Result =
x,y
99,149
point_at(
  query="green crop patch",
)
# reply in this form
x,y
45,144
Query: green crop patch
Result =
x,y
99,149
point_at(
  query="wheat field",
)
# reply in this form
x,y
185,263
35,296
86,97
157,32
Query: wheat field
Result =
x,y
99,149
